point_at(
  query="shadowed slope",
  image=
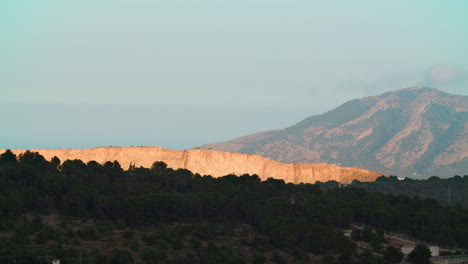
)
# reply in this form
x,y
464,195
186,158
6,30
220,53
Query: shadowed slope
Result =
x,y
408,132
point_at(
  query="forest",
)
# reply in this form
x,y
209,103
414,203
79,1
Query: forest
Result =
x,y
101,213
451,191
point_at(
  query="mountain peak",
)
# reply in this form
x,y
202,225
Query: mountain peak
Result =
x,y
410,132
413,91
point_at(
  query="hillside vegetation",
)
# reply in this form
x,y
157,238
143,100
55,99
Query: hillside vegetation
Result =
x,y
105,214
451,191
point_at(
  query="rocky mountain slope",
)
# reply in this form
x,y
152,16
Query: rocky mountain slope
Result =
x,y
214,163
410,132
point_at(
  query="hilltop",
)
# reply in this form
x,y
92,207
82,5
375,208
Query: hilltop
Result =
x,y
214,163
415,131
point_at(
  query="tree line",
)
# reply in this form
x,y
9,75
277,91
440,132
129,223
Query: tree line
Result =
x,y
448,192
298,219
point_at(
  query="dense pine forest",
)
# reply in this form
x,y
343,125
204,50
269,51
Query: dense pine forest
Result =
x,y
451,191
102,213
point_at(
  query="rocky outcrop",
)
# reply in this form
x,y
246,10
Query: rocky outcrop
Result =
x,y
214,163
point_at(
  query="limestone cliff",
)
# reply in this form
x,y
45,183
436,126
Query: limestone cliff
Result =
x,y
212,162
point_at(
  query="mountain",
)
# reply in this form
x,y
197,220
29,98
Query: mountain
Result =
x,y
415,131
214,163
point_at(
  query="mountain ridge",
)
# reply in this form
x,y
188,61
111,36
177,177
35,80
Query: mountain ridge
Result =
x,y
214,163
409,132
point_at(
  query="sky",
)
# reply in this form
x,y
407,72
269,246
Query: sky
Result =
x,y
180,74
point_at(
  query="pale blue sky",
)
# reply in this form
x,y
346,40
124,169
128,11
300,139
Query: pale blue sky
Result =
x,y
193,72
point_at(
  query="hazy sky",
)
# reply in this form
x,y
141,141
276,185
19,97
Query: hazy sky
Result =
x,y
179,74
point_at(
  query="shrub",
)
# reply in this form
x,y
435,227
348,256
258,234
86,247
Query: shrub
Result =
x,y
87,233
121,256
151,255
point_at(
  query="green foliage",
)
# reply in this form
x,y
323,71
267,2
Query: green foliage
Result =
x,y
375,238
8,157
420,255
261,243
23,230
128,234
345,258
152,255
278,258
433,188
328,259
29,157
367,234
97,256
393,255
159,166
37,223
121,257
356,234
134,245
299,219
376,245
48,233
87,233
21,256
55,161
150,238
366,257
258,259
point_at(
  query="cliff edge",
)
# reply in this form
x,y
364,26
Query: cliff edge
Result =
x,y
213,162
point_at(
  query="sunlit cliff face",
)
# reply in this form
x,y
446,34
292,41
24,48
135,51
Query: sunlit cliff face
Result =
x,y
214,163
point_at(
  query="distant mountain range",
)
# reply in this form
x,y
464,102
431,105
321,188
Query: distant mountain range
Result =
x,y
416,132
